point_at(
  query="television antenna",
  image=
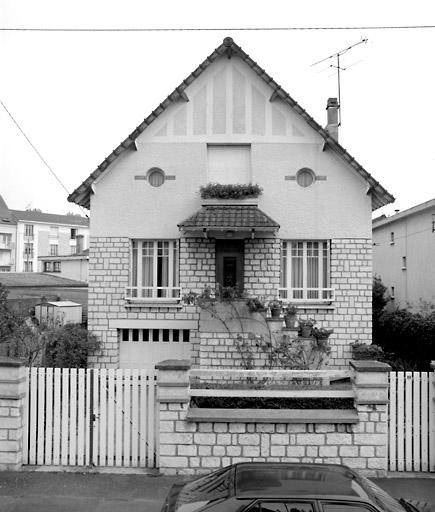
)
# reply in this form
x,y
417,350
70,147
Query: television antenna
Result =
x,y
339,68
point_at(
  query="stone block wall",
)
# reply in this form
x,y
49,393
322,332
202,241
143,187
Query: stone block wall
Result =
x,y
349,315
195,447
12,397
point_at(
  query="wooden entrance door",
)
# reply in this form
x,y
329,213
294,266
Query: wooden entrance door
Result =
x,y
229,263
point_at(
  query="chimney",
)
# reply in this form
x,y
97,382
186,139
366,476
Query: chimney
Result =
x,y
332,127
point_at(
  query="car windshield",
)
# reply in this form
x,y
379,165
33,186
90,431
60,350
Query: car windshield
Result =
x,y
380,497
202,491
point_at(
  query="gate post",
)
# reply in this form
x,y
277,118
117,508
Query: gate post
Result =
x,y
12,397
173,394
370,387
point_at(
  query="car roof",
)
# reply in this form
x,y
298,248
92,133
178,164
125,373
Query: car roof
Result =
x,y
301,480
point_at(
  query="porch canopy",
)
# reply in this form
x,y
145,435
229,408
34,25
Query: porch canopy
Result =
x,y
229,221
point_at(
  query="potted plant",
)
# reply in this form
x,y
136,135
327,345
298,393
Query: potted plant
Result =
x,y
290,316
275,307
321,333
255,304
306,328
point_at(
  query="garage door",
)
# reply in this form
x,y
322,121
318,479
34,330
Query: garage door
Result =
x,y
143,348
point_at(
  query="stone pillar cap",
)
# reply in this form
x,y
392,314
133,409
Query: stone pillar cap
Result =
x,y
368,365
173,364
11,362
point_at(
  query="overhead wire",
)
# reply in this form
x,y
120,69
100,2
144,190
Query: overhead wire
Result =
x,y
212,29
37,152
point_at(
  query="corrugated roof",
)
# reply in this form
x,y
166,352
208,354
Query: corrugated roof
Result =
x,y
380,196
37,279
229,217
51,218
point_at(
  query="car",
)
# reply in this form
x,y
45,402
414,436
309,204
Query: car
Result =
x,y
285,487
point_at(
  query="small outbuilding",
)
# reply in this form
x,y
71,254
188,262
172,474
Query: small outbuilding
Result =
x,y
63,312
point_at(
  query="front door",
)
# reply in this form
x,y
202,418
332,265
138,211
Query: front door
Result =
x,y
229,263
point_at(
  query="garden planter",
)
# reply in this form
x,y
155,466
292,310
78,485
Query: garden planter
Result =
x,y
275,313
306,331
290,321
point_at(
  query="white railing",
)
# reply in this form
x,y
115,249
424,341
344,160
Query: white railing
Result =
x,y
153,293
315,295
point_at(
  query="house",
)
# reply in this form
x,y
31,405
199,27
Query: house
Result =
x,y
71,266
404,254
26,235
305,239
8,229
26,289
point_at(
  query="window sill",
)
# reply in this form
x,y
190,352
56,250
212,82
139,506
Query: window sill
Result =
x,y
314,305
153,303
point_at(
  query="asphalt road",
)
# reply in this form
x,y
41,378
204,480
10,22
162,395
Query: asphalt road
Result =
x,y
88,492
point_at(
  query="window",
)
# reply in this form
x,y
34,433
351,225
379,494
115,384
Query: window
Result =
x,y
156,177
79,243
53,249
56,266
154,335
28,230
28,266
282,506
392,238
154,270
73,233
48,266
305,177
54,232
403,262
5,240
28,250
345,507
229,164
305,271
392,293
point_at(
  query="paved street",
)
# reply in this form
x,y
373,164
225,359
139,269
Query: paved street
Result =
x,y
80,492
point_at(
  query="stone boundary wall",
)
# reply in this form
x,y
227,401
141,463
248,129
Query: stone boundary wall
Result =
x,y
196,447
12,398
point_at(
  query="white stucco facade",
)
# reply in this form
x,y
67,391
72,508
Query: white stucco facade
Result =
x,y
409,234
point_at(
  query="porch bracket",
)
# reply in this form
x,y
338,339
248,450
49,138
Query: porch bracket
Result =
x,y
252,233
204,230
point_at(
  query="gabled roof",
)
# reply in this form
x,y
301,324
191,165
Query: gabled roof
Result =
x,y
50,218
383,220
380,196
6,216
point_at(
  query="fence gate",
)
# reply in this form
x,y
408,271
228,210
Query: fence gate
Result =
x,y
412,421
92,417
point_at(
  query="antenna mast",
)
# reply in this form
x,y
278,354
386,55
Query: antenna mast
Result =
x,y
339,68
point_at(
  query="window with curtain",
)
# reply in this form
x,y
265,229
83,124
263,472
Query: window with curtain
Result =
x,y
305,270
154,269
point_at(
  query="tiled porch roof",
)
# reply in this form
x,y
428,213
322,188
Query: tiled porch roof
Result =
x,y
229,217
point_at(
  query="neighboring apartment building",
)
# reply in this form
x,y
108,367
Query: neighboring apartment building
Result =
x,y
404,255
8,230
26,235
306,239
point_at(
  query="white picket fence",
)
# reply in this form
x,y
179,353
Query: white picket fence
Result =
x,y
412,421
97,417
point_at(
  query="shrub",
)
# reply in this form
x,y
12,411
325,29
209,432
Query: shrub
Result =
x,y
68,346
237,191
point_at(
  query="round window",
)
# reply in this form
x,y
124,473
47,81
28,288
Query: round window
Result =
x,y
305,177
156,177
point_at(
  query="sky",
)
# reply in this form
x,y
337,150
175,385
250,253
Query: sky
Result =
x,y
77,95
